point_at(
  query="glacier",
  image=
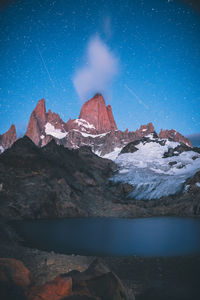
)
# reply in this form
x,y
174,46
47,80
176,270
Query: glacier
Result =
x,y
151,175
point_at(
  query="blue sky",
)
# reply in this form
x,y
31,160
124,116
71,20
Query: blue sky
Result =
x,y
154,45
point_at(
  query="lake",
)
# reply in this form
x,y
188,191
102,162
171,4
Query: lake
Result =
x,y
159,236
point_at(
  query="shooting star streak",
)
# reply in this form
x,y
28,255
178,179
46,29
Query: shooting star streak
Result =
x,y
138,99
45,66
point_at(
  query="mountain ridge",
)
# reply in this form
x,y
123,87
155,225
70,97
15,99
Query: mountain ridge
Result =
x,y
95,127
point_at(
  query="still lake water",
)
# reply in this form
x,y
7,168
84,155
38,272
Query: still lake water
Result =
x,y
160,236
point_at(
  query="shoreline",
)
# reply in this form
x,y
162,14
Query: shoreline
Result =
x,y
137,273
148,277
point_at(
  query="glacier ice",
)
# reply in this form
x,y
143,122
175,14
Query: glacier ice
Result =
x,y
151,175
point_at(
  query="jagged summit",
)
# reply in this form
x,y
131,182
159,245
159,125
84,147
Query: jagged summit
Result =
x,y
174,136
37,122
41,123
96,113
146,129
95,127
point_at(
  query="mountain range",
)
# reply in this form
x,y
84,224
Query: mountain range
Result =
x,y
88,167
95,127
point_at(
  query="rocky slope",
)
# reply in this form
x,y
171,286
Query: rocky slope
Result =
x,y
53,181
95,127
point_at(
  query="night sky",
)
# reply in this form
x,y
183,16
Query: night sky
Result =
x,y
143,56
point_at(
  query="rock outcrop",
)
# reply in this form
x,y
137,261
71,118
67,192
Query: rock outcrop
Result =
x,y
13,271
145,130
97,282
175,136
8,138
15,279
57,289
43,123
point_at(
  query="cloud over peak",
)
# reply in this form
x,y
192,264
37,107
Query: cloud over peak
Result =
x,y
98,72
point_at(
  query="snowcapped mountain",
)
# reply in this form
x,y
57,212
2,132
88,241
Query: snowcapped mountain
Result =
x,y
95,127
155,167
70,180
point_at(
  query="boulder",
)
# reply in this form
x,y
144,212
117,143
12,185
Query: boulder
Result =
x,y
130,148
14,272
56,289
98,281
15,278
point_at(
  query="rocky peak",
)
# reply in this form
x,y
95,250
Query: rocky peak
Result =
x,y
96,113
175,136
40,112
39,119
55,120
111,118
8,138
37,122
149,127
145,130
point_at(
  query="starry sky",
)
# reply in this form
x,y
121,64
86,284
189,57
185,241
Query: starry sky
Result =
x,y
142,55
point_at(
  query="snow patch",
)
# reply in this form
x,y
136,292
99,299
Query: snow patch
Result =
x,y
186,188
1,149
42,137
198,184
91,135
51,130
84,123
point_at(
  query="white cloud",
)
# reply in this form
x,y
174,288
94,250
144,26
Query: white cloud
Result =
x,y
101,67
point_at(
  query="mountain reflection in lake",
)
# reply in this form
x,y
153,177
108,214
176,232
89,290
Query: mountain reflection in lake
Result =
x,y
160,236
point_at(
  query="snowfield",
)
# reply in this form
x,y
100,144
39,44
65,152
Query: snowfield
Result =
x,y
151,175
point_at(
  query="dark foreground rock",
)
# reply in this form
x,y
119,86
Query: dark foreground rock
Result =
x,y
15,278
97,282
148,278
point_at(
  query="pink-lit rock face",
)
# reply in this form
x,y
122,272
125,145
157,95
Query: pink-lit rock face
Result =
x,y
111,118
39,118
8,138
96,113
37,122
174,136
95,127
